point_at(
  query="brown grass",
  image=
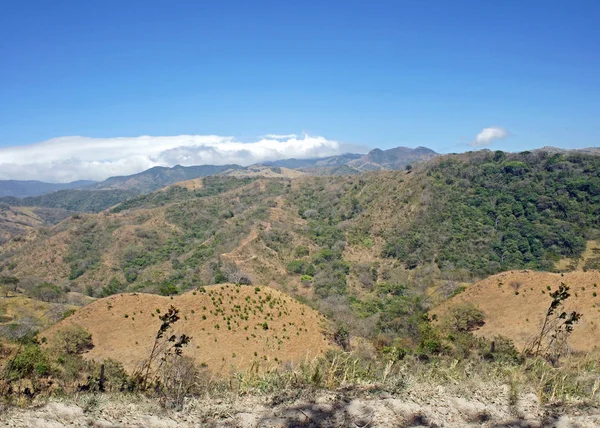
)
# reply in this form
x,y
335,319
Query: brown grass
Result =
x,y
264,171
123,327
519,316
193,184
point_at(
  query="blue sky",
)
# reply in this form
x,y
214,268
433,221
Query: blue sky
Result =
x,y
370,73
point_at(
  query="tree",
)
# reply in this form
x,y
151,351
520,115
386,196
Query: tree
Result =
x,y
8,284
72,340
341,336
463,318
47,292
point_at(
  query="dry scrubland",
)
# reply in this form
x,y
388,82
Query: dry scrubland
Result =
x,y
232,327
374,253
515,303
424,402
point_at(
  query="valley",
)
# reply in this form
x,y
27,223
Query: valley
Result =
x,y
285,270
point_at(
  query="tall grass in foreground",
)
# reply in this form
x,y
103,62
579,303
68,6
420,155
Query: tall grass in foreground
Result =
x,y
577,380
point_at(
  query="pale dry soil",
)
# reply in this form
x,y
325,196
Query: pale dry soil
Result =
x,y
418,407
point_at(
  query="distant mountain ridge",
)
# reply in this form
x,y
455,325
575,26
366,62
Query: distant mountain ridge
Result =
x,y
160,176
25,188
315,162
157,177
396,158
586,150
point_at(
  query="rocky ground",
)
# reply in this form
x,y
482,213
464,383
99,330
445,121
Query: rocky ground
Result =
x,y
437,407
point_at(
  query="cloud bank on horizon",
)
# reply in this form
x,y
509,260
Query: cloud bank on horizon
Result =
x,y
67,159
488,135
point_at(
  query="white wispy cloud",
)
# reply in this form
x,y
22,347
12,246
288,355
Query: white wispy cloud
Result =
x,y
74,158
488,135
280,136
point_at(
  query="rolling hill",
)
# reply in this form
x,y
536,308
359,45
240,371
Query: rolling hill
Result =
x,y
154,178
307,164
364,250
232,327
515,303
100,196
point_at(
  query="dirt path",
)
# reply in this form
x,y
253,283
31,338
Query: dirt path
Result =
x,y
436,409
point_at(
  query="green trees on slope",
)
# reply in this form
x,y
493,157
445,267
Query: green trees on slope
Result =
x,y
492,212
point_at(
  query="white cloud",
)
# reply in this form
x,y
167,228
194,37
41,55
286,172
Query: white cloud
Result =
x,y
73,158
280,136
488,135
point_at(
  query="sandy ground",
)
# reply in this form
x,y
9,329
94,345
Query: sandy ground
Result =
x,y
435,408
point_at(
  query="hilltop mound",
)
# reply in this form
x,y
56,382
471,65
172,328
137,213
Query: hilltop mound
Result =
x,y
515,304
231,326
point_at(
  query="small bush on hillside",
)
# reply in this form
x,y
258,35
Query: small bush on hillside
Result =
x,y
72,340
167,289
341,336
306,279
113,287
296,266
30,361
8,284
463,317
301,251
47,292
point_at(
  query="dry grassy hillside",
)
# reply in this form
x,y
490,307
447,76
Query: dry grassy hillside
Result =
x,y
16,221
264,171
89,250
231,327
20,315
516,302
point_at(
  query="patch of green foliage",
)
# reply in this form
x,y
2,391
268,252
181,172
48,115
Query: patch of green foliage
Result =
x,y
88,241
492,212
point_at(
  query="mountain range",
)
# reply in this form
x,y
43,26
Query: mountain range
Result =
x,y
25,188
152,179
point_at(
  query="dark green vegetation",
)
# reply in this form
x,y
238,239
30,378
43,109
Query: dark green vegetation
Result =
x,y
491,212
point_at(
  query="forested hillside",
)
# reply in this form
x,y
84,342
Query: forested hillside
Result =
x,y
365,245
480,213
490,212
